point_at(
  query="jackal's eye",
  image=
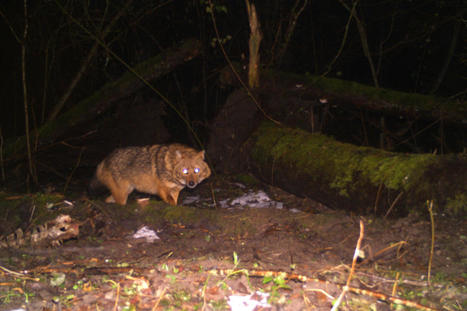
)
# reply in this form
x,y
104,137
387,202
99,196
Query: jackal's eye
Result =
x,y
185,171
196,170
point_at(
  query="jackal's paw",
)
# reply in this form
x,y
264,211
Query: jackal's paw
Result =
x,y
110,199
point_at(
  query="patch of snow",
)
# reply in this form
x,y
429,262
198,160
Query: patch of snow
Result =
x,y
253,199
249,302
191,199
224,203
240,185
146,233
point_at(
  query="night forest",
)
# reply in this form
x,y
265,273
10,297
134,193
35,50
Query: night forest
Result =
x,y
352,113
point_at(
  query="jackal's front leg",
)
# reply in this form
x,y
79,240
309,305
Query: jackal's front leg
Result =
x,y
169,195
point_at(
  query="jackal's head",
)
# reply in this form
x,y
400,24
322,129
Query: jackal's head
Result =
x,y
191,169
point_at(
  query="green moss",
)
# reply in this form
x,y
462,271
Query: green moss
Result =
x,y
176,214
458,204
338,164
246,179
395,171
17,209
43,206
183,214
390,99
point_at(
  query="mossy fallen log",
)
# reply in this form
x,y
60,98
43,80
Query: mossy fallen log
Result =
x,y
109,93
350,93
361,179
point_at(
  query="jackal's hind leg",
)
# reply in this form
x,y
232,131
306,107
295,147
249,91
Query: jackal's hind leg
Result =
x,y
120,192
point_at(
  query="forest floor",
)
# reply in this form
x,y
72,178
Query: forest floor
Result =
x,y
232,244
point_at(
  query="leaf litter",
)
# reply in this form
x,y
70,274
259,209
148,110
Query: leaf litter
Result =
x,y
257,245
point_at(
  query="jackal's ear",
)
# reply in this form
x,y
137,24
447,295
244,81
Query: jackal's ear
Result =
x,y
201,154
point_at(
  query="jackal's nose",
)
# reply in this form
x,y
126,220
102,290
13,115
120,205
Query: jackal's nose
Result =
x,y
191,184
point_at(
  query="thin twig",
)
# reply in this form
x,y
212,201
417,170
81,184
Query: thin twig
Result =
x,y
227,58
363,39
459,23
7,22
386,280
33,210
204,293
159,299
378,195
117,297
213,195
391,299
321,291
85,64
432,220
2,164
394,203
133,71
398,245
352,270
226,273
68,180
17,274
294,15
344,39
394,286
414,135
25,92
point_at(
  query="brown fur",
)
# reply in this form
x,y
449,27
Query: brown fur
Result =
x,y
159,169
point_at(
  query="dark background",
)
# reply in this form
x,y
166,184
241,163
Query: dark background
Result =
x,y
410,42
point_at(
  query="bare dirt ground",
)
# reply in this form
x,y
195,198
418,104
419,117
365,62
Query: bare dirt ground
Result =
x,y
294,256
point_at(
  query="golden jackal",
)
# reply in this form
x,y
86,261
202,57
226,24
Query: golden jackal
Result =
x,y
159,169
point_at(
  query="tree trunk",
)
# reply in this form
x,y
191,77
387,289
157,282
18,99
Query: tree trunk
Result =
x,y
343,175
254,44
355,178
349,93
